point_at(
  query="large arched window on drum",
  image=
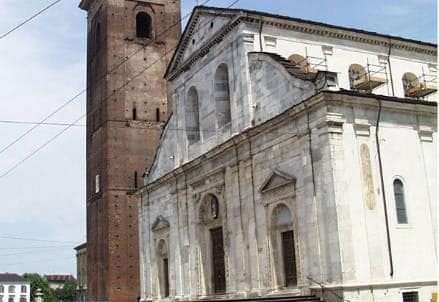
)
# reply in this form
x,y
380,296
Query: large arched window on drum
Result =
x,y
400,205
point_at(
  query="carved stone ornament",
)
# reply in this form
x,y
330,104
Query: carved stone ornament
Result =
x,y
160,223
196,197
276,180
220,190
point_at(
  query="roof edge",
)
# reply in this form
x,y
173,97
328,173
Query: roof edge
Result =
x,y
81,246
317,23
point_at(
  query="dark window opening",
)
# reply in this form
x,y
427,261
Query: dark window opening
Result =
x,y
166,276
143,25
410,297
157,115
218,261
134,114
98,37
401,210
135,180
289,257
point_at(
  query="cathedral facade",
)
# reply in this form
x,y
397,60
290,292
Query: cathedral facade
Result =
x,y
300,159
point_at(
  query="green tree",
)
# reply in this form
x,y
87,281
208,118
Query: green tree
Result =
x,y
36,282
67,293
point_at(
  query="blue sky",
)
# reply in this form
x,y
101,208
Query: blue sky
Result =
x,y
43,64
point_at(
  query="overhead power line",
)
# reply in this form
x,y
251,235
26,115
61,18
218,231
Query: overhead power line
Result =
x,y
107,97
29,19
51,260
42,146
75,97
35,239
35,252
35,247
40,123
37,123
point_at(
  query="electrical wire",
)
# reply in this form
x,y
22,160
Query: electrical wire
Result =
x,y
75,97
34,247
36,123
35,239
34,252
29,19
107,97
42,146
38,261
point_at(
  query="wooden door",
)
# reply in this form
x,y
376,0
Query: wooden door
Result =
x,y
219,274
166,277
289,257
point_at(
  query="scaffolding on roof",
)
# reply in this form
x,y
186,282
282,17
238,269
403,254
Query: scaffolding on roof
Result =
x,y
424,85
369,77
310,64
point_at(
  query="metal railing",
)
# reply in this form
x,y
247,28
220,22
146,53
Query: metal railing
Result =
x,y
317,63
324,288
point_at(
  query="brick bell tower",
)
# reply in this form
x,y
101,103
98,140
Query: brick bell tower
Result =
x,y
126,105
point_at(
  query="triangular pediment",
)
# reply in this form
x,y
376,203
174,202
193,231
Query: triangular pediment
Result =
x,y
160,223
204,24
275,180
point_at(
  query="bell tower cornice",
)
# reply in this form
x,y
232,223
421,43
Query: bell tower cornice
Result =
x,y
85,4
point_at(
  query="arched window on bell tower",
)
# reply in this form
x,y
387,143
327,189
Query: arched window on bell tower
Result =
x,y
143,25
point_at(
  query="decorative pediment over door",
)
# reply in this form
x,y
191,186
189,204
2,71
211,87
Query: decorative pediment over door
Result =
x,y
160,223
276,180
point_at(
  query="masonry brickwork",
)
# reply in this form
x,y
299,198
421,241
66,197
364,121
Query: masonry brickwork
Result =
x,y
126,105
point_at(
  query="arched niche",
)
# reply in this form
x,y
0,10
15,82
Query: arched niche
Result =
x,y
212,245
222,96
283,247
163,268
161,261
192,116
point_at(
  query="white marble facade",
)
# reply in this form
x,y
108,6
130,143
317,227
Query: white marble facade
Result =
x,y
284,176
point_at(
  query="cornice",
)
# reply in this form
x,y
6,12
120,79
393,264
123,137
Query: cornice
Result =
x,y
345,34
358,36
179,66
325,97
85,4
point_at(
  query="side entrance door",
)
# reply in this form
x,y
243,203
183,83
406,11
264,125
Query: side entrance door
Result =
x,y
289,257
166,276
219,274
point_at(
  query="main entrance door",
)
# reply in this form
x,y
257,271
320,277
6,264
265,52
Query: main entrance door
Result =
x,y
219,275
289,257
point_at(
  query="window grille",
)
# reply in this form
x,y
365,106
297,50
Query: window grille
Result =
x,y
410,297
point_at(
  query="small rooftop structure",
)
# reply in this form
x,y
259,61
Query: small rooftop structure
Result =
x,y
59,278
11,277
